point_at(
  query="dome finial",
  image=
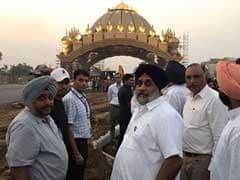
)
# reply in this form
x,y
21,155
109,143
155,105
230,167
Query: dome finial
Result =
x,y
122,6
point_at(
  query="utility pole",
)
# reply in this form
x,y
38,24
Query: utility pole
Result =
x,y
185,46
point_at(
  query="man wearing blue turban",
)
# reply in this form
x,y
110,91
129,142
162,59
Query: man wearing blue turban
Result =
x,y
35,151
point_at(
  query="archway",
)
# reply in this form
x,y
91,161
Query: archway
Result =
x,y
120,31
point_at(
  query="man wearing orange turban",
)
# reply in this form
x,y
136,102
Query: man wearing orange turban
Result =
x,y
226,161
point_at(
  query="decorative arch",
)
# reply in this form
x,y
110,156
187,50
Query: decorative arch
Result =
x,y
121,31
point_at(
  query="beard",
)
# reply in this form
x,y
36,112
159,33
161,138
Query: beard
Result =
x,y
144,99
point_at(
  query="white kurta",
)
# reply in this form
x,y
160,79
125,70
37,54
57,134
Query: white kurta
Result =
x,y
226,161
176,96
154,134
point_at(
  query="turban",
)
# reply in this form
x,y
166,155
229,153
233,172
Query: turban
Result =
x,y
175,72
34,88
158,76
228,78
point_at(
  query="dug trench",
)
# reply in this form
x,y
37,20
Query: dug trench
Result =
x,y
101,150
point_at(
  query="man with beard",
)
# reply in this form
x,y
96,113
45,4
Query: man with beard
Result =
x,y
204,119
35,151
58,112
225,164
152,145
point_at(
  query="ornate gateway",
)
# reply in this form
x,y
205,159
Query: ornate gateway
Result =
x,y
120,31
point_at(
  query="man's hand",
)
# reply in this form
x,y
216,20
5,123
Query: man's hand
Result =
x,y
170,168
79,159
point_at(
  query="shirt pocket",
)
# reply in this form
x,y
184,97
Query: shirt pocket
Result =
x,y
198,119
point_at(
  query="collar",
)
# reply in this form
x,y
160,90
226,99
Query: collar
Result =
x,y
117,85
78,93
152,104
202,93
37,118
233,113
126,86
165,90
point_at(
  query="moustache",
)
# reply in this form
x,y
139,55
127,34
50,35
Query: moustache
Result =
x,y
47,107
141,94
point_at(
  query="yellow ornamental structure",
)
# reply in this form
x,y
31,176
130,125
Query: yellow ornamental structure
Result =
x,y
120,31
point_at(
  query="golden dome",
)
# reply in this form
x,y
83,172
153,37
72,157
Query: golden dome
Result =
x,y
123,19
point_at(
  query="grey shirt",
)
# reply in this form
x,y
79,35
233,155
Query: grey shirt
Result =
x,y
36,144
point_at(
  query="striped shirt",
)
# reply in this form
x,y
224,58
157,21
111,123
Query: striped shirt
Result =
x,y
78,113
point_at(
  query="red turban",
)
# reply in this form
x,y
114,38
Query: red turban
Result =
x,y
228,78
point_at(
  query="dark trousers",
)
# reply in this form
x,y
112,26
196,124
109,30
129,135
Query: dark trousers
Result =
x,y
195,168
114,116
123,128
76,172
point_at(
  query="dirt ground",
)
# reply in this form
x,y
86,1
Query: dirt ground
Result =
x,y
97,167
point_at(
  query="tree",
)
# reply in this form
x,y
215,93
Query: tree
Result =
x,y
4,69
20,69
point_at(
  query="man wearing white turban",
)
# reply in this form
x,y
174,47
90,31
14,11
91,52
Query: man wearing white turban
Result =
x,y
226,161
35,150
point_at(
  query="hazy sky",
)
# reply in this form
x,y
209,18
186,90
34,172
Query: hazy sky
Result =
x,y
31,30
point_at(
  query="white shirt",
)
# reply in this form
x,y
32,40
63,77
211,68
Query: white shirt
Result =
x,y
176,96
226,161
113,94
153,134
204,118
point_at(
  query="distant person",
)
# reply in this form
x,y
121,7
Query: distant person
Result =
x,y
41,70
176,92
204,118
238,61
225,164
35,150
152,145
58,112
124,97
79,126
114,110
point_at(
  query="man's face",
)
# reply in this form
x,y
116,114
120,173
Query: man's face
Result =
x,y
130,82
118,78
43,104
195,79
63,87
146,90
81,82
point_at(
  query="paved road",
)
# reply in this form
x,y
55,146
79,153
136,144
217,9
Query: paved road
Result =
x,y
10,93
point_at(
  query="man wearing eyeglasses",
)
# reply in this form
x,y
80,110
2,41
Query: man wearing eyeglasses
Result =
x,y
79,127
152,145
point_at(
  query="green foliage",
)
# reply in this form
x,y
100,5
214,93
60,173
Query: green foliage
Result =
x,y
21,69
4,69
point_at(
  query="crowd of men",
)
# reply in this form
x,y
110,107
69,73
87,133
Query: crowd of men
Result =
x,y
173,125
